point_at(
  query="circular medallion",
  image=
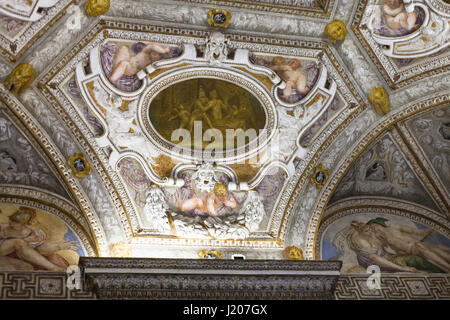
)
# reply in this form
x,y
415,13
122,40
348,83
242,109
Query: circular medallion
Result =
x,y
220,18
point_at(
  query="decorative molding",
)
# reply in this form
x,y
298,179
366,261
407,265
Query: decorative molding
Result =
x,y
303,8
210,278
14,48
394,287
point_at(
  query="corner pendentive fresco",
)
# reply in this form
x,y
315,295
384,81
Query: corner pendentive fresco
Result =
x,y
395,244
31,240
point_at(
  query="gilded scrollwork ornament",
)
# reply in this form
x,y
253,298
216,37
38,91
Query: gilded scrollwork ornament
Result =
x,y
379,99
293,253
96,8
336,31
79,165
20,78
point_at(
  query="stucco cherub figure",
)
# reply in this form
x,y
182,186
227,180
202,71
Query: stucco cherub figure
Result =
x,y
20,78
96,8
379,99
336,31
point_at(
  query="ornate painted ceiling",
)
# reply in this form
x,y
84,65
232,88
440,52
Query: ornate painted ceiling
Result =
x,y
116,118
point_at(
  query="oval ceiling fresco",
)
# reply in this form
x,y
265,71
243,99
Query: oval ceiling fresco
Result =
x,y
207,113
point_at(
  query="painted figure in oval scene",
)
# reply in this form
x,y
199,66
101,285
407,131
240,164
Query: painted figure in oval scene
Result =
x,y
215,103
32,240
393,243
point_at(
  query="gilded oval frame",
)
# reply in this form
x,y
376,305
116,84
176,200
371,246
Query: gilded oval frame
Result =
x,y
246,151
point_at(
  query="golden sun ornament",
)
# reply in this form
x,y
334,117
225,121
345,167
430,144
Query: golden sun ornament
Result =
x,y
96,8
20,78
336,31
379,99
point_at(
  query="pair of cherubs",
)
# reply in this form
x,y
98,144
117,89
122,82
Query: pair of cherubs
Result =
x,y
293,77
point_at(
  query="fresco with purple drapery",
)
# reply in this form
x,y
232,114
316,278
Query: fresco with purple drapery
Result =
x,y
300,76
121,62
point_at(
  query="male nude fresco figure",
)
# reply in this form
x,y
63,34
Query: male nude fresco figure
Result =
x,y
378,240
217,106
199,113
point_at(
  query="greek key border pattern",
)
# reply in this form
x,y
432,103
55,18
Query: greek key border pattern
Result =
x,y
393,287
297,8
36,285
